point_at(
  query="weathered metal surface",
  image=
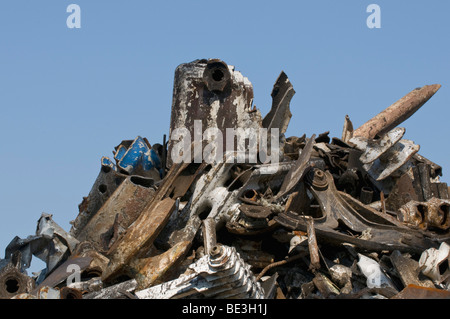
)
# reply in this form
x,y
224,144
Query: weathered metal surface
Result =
x,y
408,270
347,130
222,99
121,209
222,274
252,253
150,270
384,233
406,189
417,292
88,286
391,160
70,293
98,263
51,244
326,287
297,171
376,148
280,114
312,244
12,280
48,293
138,236
434,213
116,291
397,112
435,263
209,234
107,181
65,270
341,276
139,158
147,226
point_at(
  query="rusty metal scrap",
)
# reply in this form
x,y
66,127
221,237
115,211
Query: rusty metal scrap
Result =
x,y
397,113
361,216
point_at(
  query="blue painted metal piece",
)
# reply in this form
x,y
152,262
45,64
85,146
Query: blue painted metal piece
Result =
x,y
139,153
106,161
121,150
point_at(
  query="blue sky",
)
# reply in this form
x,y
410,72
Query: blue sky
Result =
x,y
68,96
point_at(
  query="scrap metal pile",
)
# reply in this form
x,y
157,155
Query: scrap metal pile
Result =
x,y
360,216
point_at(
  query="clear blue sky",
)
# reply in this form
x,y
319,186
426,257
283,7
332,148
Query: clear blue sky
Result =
x,y
68,96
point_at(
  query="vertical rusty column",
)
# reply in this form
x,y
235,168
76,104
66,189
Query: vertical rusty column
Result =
x,y
215,95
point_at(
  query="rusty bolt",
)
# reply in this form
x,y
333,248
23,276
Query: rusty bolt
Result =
x,y
216,251
319,179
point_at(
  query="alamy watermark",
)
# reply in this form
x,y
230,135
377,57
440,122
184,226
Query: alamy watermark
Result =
x,y
214,146
74,19
374,19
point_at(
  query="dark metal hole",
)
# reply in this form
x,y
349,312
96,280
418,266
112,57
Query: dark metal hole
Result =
x,y
12,285
71,296
217,75
422,209
445,209
205,212
103,188
250,194
443,267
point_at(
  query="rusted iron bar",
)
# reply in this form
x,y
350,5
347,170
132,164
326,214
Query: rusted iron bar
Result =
x,y
397,112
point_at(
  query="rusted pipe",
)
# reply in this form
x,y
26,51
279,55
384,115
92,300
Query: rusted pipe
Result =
x,y
397,112
12,281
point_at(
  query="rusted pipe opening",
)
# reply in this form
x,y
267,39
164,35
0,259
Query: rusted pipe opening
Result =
x,y
251,194
217,75
142,181
12,285
70,293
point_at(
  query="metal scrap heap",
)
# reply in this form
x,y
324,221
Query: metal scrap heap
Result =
x,y
360,216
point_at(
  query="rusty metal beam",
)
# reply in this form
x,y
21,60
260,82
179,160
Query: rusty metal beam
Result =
x,y
148,271
397,112
139,236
